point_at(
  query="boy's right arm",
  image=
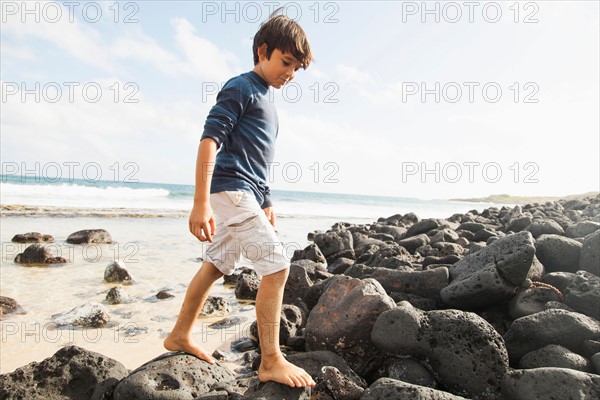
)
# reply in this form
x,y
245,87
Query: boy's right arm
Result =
x,y
202,221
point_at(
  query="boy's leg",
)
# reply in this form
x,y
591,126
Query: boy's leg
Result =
x,y
273,366
180,339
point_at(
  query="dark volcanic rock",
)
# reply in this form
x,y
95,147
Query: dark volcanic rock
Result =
x,y
89,236
465,352
340,265
386,388
215,306
550,384
297,283
490,275
583,294
555,356
552,326
426,283
311,252
172,376
343,318
38,254
163,295
413,243
590,254
71,373
116,295
332,382
116,272
274,390
559,280
558,253
32,237
405,370
9,306
335,244
422,226
582,229
531,300
247,286
545,227
89,315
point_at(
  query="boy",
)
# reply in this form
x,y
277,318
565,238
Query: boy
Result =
x,y
243,125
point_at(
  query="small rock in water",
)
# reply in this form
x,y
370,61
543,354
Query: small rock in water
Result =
x,y
244,344
89,236
89,315
225,356
32,237
215,306
116,295
10,306
163,294
37,254
228,322
116,272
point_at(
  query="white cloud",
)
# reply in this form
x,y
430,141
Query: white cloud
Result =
x,y
22,53
354,75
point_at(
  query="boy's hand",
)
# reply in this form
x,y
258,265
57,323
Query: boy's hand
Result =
x,y
270,215
202,222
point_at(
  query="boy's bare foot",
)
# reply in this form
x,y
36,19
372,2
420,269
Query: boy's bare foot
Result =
x,y
185,344
282,371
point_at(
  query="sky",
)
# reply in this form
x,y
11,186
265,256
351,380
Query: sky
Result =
x,y
414,99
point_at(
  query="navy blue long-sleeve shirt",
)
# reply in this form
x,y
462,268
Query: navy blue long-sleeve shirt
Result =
x,y
244,124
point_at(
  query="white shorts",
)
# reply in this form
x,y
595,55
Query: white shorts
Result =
x,y
242,228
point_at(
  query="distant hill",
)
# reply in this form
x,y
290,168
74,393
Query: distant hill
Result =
x,y
508,199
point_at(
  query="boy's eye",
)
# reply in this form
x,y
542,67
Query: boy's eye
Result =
x,y
287,64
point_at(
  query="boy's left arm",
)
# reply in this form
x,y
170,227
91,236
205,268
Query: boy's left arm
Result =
x,y
267,207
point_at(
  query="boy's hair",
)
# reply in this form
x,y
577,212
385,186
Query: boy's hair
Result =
x,y
285,34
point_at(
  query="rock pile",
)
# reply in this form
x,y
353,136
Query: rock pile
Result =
x,y
502,304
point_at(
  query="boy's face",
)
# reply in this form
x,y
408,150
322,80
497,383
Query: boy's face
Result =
x,y
279,70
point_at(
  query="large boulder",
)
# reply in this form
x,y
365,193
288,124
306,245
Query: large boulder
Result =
x,y
88,236
582,229
335,244
554,326
491,275
426,283
555,356
466,353
71,373
343,319
387,388
172,376
550,384
590,254
558,253
583,294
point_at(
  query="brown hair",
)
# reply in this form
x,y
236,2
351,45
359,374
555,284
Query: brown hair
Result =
x,y
283,33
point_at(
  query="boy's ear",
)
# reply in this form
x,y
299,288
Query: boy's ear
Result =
x,y
262,52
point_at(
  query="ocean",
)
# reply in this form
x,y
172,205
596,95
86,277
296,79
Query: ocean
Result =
x,y
148,224
165,199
